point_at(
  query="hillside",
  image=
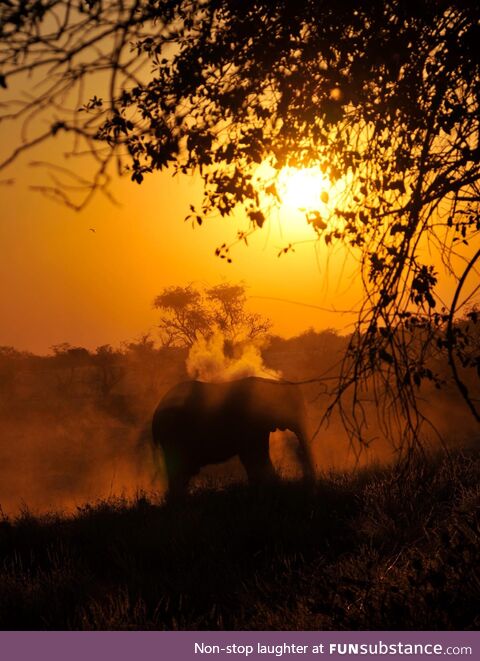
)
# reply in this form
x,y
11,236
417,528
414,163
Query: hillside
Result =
x,y
380,549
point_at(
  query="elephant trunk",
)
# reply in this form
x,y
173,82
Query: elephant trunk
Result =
x,y
294,417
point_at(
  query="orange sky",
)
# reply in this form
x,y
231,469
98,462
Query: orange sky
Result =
x,y
60,282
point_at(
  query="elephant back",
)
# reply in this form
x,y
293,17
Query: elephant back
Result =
x,y
265,403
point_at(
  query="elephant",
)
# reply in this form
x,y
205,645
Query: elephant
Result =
x,y
198,423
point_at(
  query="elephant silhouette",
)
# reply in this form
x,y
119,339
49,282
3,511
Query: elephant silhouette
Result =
x,y
198,423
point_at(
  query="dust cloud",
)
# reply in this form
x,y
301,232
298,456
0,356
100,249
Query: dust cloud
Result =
x,y
215,359
58,460
66,439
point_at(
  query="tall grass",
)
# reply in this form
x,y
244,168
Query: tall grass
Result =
x,y
380,549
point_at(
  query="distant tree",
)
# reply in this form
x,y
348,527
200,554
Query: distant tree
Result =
x,y
147,363
228,303
183,316
68,355
188,313
143,348
67,359
381,97
305,356
109,369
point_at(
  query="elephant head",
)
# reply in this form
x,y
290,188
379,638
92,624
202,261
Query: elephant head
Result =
x,y
200,423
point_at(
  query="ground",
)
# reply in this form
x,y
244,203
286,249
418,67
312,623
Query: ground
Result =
x,y
378,549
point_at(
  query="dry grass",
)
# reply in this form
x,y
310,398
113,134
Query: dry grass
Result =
x,y
376,550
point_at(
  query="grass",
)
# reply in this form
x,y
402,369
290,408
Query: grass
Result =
x,y
379,549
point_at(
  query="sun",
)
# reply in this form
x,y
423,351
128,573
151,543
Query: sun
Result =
x,y
299,199
303,189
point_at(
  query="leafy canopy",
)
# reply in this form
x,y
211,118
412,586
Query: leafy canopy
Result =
x,y
382,96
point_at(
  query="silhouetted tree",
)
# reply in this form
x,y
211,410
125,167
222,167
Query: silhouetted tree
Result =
x,y
183,318
383,98
188,314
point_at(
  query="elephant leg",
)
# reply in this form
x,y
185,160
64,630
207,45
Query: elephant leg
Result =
x,y
305,458
158,468
256,460
178,475
177,485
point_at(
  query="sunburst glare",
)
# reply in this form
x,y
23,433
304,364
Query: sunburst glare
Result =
x,y
303,189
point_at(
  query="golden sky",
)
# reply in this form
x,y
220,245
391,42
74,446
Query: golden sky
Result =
x,y
61,282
